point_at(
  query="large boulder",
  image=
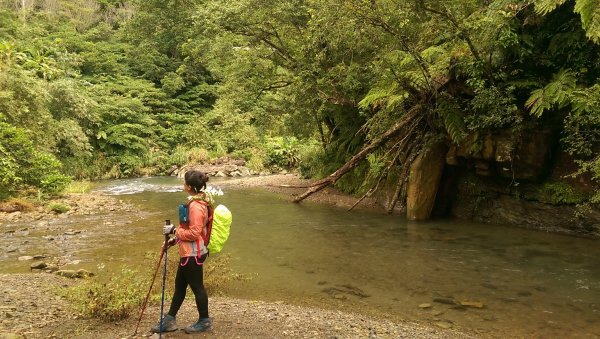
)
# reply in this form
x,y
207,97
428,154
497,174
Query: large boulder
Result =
x,y
502,155
423,182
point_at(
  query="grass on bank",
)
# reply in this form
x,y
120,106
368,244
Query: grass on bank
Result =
x,y
115,296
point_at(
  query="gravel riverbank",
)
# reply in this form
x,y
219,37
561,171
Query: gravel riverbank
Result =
x,y
32,309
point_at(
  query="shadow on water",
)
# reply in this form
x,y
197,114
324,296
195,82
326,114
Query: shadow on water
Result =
x,y
500,281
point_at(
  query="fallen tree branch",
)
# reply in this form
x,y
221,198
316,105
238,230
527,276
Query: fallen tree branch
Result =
x,y
383,175
362,154
289,186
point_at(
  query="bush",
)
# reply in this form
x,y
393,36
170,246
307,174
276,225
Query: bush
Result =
x,y
82,186
112,297
54,184
59,208
557,193
197,155
115,299
312,160
282,152
23,166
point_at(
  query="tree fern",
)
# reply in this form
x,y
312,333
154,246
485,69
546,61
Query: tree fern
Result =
x,y
556,93
590,17
387,96
544,7
452,118
588,9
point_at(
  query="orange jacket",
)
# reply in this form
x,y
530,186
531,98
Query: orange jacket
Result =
x,y
190,237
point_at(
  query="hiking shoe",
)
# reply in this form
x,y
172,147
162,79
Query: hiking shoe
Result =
x,y
168,325
200,326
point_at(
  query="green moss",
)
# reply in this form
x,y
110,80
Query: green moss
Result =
x,y
558,193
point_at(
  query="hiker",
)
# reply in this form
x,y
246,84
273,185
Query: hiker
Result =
x,y
192,253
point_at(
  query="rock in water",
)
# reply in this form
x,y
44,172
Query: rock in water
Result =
x,y
476,304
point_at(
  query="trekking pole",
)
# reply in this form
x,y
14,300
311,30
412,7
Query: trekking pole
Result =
x,y
162,252
162,299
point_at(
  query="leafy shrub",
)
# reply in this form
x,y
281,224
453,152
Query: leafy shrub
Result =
x,y
54,184
23,165
59,208
116,296
557,193
115,299
81,186
197,155
282,152
312,159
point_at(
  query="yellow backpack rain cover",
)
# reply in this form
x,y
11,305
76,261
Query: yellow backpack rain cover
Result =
x,y
221,223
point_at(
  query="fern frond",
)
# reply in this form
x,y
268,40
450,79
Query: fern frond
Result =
x,y
590,17
556,93
452,117
544,7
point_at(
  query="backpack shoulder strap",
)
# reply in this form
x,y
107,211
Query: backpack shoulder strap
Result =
x,y
209,220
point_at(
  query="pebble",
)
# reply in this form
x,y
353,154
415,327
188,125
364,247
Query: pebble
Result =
x,y
25,258
443,324
475,304
425,305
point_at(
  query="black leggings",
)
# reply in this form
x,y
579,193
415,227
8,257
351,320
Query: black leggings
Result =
x,y
190,274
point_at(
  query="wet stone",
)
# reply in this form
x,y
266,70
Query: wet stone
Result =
x,y
38,265
475,304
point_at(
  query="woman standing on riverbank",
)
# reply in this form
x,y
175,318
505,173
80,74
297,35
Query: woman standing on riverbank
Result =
x,y
190,237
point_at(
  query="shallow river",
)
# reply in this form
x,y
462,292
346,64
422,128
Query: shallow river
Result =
x,y
530,284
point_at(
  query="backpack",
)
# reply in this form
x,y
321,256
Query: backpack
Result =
x,y
217,225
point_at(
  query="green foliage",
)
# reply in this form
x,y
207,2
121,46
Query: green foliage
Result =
x,y
115,299
452,118
112,88
59,208
588,9
80,186
557,93
282,152
313,160
24,166
116,296
558,193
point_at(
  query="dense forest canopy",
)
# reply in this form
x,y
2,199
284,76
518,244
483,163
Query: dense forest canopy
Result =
x,y
112,88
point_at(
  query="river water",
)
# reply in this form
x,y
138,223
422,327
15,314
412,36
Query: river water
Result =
x,y
530,284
